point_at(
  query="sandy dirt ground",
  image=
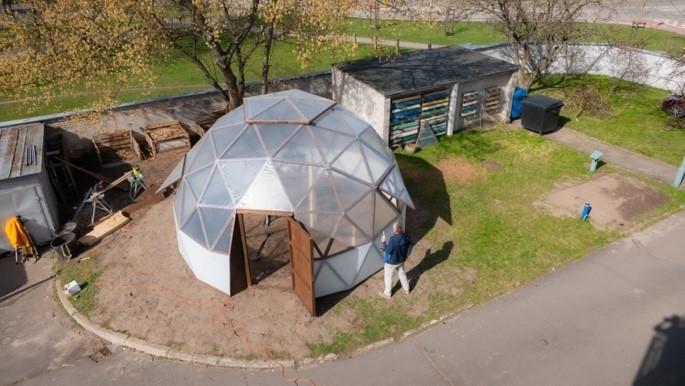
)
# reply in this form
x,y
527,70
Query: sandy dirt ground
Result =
x,y
146,289
617,201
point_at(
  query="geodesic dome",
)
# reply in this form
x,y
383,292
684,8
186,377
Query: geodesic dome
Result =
x,y
297,153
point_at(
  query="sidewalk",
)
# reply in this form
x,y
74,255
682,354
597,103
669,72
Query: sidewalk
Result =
x,y
648,167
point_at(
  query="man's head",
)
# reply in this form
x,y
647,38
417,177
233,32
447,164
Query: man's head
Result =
x,y
397,227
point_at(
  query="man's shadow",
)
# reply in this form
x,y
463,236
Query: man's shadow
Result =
x,y
429,261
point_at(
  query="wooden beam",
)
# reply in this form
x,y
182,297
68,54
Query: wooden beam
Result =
x,y
97,176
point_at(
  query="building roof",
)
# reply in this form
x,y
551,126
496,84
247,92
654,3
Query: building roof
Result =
x,y
21,150
424,69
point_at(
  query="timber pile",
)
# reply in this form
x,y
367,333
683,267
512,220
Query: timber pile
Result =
x,y
166,136
116,146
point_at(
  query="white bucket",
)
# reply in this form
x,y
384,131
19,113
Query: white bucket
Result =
x,y
72,288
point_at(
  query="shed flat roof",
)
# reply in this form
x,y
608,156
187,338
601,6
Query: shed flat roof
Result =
x,y
21,150
424,69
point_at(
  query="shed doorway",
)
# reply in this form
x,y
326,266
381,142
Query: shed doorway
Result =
x,y
276,253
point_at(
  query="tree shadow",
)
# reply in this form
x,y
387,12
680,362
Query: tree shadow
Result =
x,y
663,360
430,260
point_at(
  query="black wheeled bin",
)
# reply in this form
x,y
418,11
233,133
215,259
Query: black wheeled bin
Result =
x,y
541,114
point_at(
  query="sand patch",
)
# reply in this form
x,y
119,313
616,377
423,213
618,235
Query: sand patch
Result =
x,y
617,200
456,169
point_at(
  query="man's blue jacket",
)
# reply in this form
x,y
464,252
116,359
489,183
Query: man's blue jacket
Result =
x,y
396,249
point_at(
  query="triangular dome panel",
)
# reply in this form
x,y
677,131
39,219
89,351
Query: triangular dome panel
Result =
x,y
248,145
394,186
297,179
275,135
301,148
239,175
372,264
266,192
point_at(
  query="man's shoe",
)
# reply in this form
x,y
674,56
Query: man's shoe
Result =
x,y
384,295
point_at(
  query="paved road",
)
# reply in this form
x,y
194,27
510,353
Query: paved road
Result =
x,y
589,323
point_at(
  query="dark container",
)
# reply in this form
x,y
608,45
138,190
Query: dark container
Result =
x,y
62,245
541,114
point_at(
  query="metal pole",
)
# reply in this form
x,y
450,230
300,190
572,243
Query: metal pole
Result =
x,y
680,175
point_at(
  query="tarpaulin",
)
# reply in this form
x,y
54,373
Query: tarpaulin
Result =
x,y
16,234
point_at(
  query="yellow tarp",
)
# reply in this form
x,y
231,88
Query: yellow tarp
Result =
x,y
16,234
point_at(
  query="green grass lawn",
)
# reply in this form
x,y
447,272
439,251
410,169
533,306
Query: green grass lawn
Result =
x,y
176,75
634,119
489,238
486,33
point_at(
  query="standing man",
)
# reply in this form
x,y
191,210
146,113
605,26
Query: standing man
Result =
x,y
395,252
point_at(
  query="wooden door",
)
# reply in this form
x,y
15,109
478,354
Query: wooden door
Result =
x,y
302,264
239,266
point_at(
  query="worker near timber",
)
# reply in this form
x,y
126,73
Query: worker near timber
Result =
x,y
395,252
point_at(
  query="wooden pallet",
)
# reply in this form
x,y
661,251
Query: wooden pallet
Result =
x,y
116,146
166,136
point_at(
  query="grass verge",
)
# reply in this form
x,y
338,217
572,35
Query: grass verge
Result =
x,y
85,272
631,118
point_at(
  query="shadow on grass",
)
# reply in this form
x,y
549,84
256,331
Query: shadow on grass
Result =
x,y
430,260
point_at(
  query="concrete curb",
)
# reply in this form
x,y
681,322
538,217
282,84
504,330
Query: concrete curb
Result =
x,y
160,351
123,340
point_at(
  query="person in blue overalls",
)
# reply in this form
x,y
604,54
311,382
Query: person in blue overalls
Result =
x,y
395,252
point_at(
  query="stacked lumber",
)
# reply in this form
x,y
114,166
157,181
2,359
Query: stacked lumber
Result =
x,y
116,146
166,136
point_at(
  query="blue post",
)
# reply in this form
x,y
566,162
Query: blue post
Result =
x,y
680,175
585,213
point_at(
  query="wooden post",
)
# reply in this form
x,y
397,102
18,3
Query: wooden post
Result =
x,y
430,45
375,43
354,38
397,46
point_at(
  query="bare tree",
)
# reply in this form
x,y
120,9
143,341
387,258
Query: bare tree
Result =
x,y
536,29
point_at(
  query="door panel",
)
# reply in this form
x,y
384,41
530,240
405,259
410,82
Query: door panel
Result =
x,y
240,274
302,264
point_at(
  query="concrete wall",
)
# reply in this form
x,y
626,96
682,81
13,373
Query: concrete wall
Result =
x,y
364,101
647,68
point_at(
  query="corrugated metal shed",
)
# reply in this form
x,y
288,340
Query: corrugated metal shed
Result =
x,y
21,150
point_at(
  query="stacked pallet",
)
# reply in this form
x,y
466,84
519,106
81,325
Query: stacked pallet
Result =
x,y
492,100
470,107
117,146
404,119
422,110
166,136
434,111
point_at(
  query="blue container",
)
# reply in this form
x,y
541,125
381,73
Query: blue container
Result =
x,y
516,102
585,213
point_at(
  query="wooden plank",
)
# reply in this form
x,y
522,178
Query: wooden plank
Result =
x,y
302,264
104,228
8,143
19,152
97,176
239,267
34,136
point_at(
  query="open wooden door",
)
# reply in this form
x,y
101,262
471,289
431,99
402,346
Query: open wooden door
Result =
x,y
240,269
302,264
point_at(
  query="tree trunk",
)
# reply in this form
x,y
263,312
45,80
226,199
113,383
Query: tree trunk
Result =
x,y
266,61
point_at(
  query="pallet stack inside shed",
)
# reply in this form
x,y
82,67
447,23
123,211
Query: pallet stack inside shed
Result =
x,y
407,114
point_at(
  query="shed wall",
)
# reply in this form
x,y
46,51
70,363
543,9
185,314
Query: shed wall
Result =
x,y
505,82
26,196
361,99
